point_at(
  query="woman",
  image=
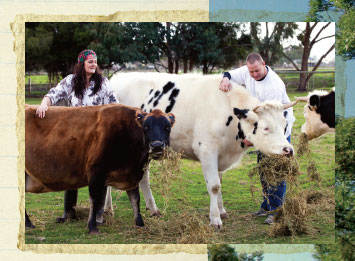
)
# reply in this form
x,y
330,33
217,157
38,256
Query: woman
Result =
x,y
85,87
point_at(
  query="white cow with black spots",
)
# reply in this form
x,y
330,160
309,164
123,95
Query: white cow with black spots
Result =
x,y
211,126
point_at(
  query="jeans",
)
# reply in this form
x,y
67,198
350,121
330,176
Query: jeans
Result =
x,y
274,196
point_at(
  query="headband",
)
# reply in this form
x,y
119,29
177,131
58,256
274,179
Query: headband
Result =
x,y
86,54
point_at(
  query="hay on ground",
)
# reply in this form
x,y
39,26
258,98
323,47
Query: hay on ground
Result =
x,y
313,172
292,218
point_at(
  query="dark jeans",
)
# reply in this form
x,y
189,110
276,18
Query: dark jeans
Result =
x,y
274,196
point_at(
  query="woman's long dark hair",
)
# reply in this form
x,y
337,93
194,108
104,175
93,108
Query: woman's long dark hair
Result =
x,y
79,80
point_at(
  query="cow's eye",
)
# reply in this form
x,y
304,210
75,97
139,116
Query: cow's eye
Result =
x,y
266,129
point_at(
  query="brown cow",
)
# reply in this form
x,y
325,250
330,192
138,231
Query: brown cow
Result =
x,y
95,146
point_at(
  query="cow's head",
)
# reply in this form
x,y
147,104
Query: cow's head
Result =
x,y
264,126
157,126
319,113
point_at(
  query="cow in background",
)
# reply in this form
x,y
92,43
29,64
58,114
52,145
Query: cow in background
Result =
x,y
212,127
319,113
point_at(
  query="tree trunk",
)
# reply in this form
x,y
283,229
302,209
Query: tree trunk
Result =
x,y
176,66
191,65
302,87
185,65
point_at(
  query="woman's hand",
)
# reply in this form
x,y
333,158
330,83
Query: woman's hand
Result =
x,y
41,110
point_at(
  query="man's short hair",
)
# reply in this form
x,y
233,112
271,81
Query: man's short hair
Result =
x,y
253,57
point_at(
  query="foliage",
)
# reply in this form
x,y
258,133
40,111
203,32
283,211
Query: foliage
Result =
x,y
224,252
54,46
344,247
345,34
270,46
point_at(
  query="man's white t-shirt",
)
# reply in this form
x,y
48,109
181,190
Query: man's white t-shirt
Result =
x,y
270,88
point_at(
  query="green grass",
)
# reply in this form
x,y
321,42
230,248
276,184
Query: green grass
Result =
x,y
33,100
240,227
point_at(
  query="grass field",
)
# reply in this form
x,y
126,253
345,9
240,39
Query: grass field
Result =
x,y
185,212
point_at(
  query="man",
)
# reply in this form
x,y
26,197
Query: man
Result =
x,y
266,85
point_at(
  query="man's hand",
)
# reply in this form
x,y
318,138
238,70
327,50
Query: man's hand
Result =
x,y
225,85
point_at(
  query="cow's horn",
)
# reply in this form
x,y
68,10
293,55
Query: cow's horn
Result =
x,y
288,105
304,99
256,108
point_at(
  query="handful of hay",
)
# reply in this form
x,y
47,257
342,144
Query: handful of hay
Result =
x,y
276,168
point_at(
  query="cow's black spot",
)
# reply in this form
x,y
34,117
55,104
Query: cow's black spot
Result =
x,y
242,144
168,87
230,118
142,106
255,127
285,113
150,91
240,132
173,95
236,137
240,113
151,99
326,109
156,94
199,143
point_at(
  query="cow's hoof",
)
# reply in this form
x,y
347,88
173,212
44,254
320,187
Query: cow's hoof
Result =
x,y
224,216
218,226
139,221
60,220
217,223
94,231
155,213
29,226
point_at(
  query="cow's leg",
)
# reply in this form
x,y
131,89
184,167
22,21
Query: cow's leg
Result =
x,y
28,222
107,208
97,191
209,164
147,193
135,199
70,198
222,211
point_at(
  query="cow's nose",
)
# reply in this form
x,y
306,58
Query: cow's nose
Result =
x,y
288,151
156,145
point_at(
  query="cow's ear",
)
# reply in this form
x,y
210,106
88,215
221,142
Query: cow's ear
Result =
x,y
314,101
241,114
140,115
246,114
171,118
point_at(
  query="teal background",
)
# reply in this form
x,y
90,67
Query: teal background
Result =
x,y
289,11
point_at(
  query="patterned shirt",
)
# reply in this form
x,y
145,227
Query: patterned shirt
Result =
x,y
65,90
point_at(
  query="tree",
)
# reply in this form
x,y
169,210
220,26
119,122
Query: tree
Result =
x,y
307,43
270,46
224,252
345,32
